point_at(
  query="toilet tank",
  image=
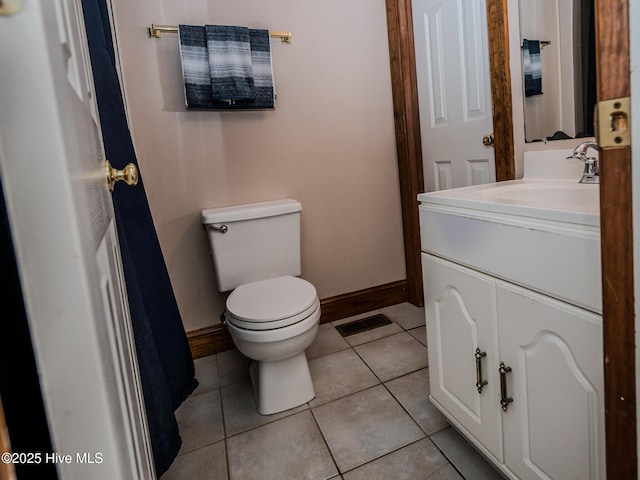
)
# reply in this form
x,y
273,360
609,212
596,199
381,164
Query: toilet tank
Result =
x,y
260,241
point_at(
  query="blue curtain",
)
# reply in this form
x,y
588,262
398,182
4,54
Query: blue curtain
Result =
x,y
165,362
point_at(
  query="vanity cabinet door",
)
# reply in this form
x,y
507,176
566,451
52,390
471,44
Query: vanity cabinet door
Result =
x,y
554,428
460,316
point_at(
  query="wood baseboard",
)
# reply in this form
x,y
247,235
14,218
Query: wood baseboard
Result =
x,y
215,339
362,301
209,340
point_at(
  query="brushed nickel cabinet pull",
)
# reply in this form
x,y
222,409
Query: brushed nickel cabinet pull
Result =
x,y
479,381
504,399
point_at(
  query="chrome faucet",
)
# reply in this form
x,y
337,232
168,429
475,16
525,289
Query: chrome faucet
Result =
x,y
590,173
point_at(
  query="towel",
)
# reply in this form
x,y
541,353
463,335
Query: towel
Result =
x,y
532,64
194,56
230,63
196,71
262,68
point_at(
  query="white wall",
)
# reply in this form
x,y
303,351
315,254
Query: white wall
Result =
x,y
330,143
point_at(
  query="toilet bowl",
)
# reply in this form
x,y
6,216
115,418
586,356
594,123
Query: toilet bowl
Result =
x,y
272,322
271,313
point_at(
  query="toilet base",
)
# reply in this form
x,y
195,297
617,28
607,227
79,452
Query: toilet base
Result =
x,y
281,385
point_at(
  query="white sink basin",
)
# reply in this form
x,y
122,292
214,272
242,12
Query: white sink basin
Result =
x,y
575,196
562,201
549,191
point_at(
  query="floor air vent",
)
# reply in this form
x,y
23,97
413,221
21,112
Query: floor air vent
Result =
x,y
358,326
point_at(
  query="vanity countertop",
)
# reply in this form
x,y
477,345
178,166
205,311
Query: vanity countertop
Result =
x,y
548,191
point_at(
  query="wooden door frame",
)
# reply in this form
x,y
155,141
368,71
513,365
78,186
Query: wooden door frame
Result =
x,y
616,230
407,121
7,472
612,27
404,87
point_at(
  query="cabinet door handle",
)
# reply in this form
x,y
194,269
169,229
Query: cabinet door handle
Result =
x,y
504,399
479,382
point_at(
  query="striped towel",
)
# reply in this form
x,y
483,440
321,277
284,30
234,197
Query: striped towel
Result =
x,y
532,65
262,68
199,84
194,56
230,63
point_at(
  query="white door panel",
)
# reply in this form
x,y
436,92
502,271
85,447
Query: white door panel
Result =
x,y
53,172
454,92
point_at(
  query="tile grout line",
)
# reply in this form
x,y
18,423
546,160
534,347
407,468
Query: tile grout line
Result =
x,y
311,409
224,424
383,383
326,443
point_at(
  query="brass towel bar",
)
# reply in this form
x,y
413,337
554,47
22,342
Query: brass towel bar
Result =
x,y
156,31
543,43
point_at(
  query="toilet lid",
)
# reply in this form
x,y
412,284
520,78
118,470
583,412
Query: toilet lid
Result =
x,y
271,300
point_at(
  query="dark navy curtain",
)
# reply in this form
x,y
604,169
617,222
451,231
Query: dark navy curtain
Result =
x,y
165,362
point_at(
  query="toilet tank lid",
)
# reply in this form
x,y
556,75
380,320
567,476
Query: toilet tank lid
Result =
x,y
250,211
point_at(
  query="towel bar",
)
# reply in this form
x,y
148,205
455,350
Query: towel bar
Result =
x,y
543,44
155,31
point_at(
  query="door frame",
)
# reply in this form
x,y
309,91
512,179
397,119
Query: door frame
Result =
x,y
616,230
407,120
615,191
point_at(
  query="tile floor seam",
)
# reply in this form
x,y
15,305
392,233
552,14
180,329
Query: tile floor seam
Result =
x,y
232,371
365,362
453,464
326,443
428,435
445,466
345,396
293,411
424,436
455,467
374,373
405,410
224,422
392,452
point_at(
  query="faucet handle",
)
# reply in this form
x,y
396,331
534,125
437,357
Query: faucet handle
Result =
x,y
591,173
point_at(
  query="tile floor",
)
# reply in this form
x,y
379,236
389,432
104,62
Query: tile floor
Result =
x,y
370,419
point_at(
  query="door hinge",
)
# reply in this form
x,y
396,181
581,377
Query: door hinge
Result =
x,y
613,123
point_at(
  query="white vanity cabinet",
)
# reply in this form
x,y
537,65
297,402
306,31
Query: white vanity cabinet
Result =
x,y
543,417
460,313
512,271
554,427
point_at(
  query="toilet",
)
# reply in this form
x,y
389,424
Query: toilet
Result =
x,y
271,313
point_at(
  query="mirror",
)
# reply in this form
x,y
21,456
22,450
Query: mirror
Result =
x,y
563,107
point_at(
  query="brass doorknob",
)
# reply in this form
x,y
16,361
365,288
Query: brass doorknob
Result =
x,y
488,140
9,7
129,174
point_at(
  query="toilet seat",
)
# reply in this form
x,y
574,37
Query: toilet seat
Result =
x,y
271,304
